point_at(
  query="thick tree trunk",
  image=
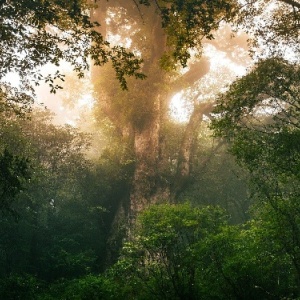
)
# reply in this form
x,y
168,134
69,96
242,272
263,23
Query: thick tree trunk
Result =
x,y
139,120
146,144
146,186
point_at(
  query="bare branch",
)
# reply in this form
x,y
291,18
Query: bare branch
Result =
x,y
291,2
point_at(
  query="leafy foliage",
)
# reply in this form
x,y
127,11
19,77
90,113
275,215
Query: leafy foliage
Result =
x,y
34,34
183,252
19,287
46,238
259,115
14,173
164,251
272,26
187,23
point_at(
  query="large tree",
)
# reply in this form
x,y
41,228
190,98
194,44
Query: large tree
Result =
x,y
176,40
259,117
166,34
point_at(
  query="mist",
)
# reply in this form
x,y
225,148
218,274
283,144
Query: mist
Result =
x,y
149,150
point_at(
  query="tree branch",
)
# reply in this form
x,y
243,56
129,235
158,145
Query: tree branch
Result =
x,y
291,2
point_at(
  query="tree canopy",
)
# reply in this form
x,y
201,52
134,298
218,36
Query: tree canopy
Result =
x,y
38,33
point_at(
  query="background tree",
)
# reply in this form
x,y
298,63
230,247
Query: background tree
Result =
x,y
62,210
260,118
272,26
15,171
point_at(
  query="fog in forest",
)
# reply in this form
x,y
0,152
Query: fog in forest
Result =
x,y
150,149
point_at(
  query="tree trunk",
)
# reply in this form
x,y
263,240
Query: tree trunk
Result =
x,y
186,149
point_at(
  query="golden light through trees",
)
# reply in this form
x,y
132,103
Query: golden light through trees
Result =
x,y
171,168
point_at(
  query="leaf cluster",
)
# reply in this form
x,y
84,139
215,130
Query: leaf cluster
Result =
x,y
187,23
264,100
184,252
15,171
38,33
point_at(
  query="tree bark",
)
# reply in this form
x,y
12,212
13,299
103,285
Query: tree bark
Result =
x,y
146,149
146,188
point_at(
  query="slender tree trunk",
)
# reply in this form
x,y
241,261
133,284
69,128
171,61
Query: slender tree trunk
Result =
x,y
186,149
292,3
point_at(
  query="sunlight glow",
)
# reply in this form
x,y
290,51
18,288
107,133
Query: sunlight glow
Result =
x,y
86,101
218,59
13,79
216,81
179,110
72,116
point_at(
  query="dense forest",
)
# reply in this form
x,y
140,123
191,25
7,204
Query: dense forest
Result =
x,y
169,165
